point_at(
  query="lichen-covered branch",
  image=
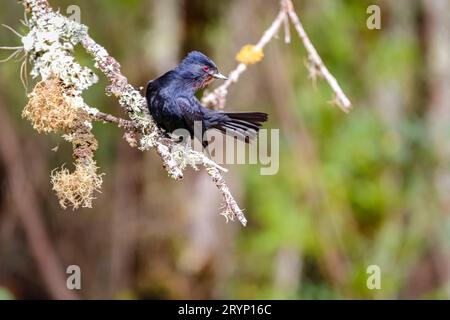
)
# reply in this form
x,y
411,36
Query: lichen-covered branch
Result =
x,y
135,105
49,47
231,207
251,54
128,125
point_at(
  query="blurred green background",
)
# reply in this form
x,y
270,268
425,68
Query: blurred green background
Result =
x,y
353,190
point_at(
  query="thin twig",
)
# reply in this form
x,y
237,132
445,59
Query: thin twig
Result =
x,y
12,30
11,56
217,98
317,64
11,48
106,117
287,29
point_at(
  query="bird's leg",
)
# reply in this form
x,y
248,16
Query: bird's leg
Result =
x,y
178,139
174,137
165,134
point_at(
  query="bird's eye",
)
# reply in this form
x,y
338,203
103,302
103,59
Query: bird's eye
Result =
x,y
205,68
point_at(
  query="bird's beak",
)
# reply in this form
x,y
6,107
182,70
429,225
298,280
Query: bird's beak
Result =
x,y
218,75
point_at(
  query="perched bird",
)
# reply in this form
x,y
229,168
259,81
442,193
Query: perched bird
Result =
x,y
172,103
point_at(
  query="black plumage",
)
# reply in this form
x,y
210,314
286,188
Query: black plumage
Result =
x,y
172,103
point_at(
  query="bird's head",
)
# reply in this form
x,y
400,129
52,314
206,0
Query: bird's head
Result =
x,y
199,69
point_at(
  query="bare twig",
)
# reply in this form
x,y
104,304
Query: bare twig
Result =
x,y
174,157
11,56
287,30
12,30
217,98
316,62
10,48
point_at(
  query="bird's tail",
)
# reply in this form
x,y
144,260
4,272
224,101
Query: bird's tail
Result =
x,y
243,125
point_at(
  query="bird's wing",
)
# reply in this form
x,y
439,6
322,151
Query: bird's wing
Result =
x,y
190,111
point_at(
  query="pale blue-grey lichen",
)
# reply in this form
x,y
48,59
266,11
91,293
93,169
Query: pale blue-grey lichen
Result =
x,y
49,46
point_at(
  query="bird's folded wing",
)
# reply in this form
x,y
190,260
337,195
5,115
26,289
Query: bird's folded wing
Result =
x,y
190,111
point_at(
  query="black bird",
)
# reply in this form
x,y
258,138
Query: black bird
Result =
x,y
172,103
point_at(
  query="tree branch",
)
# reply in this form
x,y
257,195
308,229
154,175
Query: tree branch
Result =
x,y
44,20
317,64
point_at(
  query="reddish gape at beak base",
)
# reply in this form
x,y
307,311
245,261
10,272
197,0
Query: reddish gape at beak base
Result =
x,y
211,77
207,81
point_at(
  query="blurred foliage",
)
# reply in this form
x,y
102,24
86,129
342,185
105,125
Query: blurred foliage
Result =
x,y
352,190
5,294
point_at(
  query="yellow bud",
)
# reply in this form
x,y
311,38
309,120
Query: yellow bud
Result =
x,y
249,54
